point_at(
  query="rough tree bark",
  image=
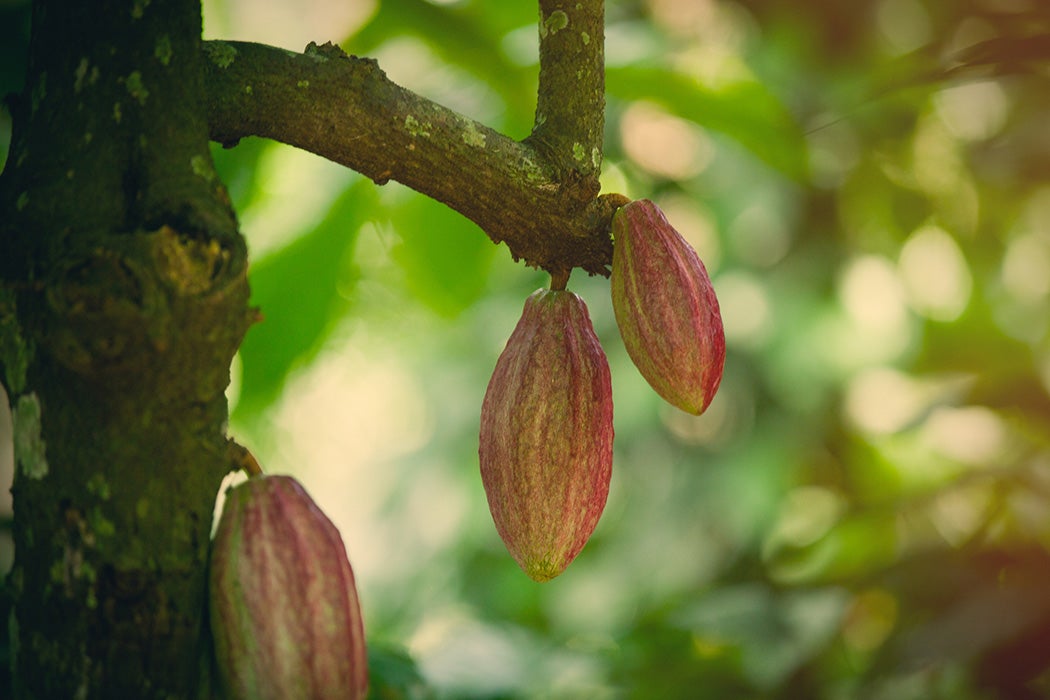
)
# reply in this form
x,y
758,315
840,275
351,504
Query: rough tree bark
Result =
x,y
123,293
125,300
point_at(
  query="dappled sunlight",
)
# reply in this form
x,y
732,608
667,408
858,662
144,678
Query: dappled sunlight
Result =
x,y
626,43
973,111
476,659
594,605
806,514
686,17
287,174
973,435
289,25
714,67
768,632
882,401
760,234
747,314
878,327
937,166
905,24
936,278
413,64
833,149
960,512
711,34
871,292
730,414
339,428
353,409
520,47
457,651
1025,271
664,145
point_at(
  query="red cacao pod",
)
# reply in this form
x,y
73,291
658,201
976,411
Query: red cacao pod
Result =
x,y
285,617
547,433
666,308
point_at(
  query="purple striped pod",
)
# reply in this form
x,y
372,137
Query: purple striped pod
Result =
x,y
547,433
284,612
666,308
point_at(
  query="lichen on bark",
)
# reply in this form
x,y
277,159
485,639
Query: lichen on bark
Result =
x,y
539,196
124,298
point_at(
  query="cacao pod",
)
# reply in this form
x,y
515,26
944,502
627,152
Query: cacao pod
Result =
x,y
283,604
547,433
666,308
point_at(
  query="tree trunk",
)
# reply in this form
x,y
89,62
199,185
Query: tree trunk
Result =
x,y
123,298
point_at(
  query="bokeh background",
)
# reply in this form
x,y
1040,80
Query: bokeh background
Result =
x,y
864,510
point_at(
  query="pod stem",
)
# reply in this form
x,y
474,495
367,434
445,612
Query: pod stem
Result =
x,y
560,278
243,459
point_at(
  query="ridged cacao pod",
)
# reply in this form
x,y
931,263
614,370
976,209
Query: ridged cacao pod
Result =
x,y
666,308
283,604
547,434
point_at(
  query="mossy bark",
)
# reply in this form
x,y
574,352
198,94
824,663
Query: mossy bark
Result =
x,y
123,299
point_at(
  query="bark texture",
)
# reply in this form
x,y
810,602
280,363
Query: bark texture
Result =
x,y
539,196
124,300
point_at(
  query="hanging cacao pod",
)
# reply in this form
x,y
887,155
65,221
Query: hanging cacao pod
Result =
x,y
666,308
547,433
284,612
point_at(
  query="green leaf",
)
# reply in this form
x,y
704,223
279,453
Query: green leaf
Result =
x,y
238,168
857,546
393,675
774,632
445,256
301,291
745,110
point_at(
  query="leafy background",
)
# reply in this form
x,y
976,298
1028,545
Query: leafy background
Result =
x,y
863,512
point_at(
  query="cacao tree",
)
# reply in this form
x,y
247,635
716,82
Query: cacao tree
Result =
x,y
125,294
859,513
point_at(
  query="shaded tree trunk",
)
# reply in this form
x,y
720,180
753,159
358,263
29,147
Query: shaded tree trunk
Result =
x,y
123,300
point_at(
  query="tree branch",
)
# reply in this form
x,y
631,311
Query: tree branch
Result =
x,y
344,108
570,109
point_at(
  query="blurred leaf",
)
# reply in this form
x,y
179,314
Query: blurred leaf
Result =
x,y
238,169
393,675
746,111
1009,53
855,547
658,660
972,606
301,292
445,257
774,633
